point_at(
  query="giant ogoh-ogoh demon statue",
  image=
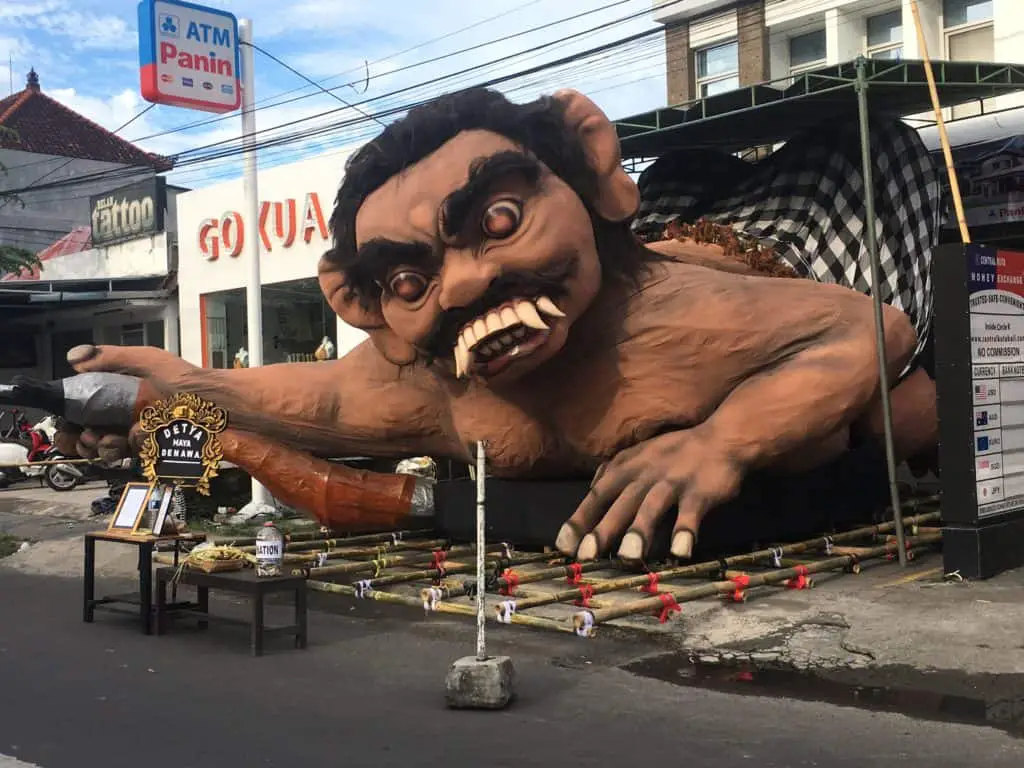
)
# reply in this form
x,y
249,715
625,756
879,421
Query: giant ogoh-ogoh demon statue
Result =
x,y
516,287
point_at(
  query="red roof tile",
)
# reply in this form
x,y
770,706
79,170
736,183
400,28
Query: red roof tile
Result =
x,y
77,240
46,127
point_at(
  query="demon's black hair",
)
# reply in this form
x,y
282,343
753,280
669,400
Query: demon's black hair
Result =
x,y
537,126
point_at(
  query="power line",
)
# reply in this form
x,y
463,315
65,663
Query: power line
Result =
x,y
216,150
415,65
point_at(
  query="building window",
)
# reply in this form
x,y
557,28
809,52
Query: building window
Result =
x,y
807,52
718,69
133,335
969,36
885,36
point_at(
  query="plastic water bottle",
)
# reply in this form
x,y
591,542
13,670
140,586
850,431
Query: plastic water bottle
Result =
x,y
269,550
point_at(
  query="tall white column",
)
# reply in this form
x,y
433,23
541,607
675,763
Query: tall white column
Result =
x,y
172,335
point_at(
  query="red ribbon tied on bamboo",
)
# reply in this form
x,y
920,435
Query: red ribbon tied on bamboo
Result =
x,y
670,605
511,582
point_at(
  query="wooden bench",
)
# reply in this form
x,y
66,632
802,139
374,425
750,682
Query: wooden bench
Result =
x,y
243,582
143,599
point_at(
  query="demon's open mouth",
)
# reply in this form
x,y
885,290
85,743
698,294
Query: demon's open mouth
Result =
x,y
505,334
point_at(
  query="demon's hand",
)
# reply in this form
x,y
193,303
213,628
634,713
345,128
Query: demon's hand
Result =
x,y
634,489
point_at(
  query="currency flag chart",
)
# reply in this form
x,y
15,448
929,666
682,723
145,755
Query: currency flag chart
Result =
x,y
996,281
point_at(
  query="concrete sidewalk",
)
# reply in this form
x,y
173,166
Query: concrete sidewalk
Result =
x,y
883,618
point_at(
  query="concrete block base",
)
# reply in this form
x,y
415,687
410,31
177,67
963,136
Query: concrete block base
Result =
x,y
476,684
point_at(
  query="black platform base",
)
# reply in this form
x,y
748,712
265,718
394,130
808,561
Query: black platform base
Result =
x,y
852,491
984,550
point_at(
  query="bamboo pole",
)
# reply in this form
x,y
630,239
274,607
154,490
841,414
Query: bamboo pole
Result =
x,y
49,463
481,538
585,621
379,564
456,568
312,539
697,569
947,152
363,552
457,609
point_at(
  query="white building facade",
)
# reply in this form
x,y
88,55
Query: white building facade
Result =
x,y
296,201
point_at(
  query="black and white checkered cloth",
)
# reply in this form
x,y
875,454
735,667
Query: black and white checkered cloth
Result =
x,y
807,199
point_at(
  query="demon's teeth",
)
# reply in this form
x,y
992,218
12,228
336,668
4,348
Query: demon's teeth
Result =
x,y
461,357
480,329
509,317
493,322
528,316
548,307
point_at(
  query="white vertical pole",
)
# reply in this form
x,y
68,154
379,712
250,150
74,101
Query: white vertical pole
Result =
x,y
172,337
251,247
481,644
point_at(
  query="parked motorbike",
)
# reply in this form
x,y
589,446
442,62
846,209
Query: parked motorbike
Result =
x,y
19,429
17,459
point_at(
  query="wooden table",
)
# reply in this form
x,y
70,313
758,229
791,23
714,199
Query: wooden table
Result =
x,y
144,600
244,581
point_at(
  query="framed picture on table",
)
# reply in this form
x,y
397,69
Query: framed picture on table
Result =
x,y
131,508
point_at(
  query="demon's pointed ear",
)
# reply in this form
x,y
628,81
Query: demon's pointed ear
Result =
x,y
369,318
618,196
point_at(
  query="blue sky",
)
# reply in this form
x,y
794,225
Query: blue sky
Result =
x,y
86,54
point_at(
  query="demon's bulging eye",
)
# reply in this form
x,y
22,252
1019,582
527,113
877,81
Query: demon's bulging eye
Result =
x,y
408,286
501,218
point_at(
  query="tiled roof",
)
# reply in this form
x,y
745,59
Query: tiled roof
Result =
x,y
77,240
46,127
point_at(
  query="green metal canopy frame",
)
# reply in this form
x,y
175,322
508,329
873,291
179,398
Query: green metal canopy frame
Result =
x,y
772,112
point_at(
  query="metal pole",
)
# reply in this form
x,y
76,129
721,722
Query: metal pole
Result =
x,y
481,554
251,242
876,297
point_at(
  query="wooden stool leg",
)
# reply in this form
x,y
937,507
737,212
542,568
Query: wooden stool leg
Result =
x,y
300,617
161,604
89,580
257,624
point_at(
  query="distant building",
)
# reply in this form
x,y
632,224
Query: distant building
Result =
x,y
52,143
107,240
713,46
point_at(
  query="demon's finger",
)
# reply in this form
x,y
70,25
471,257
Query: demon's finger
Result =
x,y
602,493
66,439
112,447
638,538
692,508
142,362
569,535
615,520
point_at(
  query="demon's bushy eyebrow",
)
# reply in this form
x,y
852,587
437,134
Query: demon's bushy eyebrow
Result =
x,y
484,173
377,257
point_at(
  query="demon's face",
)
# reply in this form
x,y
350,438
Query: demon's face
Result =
x,y
484,257
478,257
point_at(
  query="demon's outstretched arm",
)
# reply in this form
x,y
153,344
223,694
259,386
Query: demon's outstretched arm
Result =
x,y
358,405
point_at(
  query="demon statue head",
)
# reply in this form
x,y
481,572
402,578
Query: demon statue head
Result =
x,y
475,232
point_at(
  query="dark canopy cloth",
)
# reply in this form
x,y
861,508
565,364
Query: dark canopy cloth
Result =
x,y
807,200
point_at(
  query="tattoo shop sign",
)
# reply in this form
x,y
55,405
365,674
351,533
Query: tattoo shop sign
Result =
x,y
129,212
182,444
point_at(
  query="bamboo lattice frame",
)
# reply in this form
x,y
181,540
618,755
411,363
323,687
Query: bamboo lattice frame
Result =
x,y
546,591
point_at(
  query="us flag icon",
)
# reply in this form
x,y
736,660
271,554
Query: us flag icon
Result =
x,y
979,391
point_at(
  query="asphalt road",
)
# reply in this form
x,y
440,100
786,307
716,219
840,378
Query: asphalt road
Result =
x,y
369,692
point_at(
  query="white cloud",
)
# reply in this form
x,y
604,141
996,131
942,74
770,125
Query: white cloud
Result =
x,y
86,31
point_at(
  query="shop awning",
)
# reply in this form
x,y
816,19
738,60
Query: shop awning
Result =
x,y
30,300
772,112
